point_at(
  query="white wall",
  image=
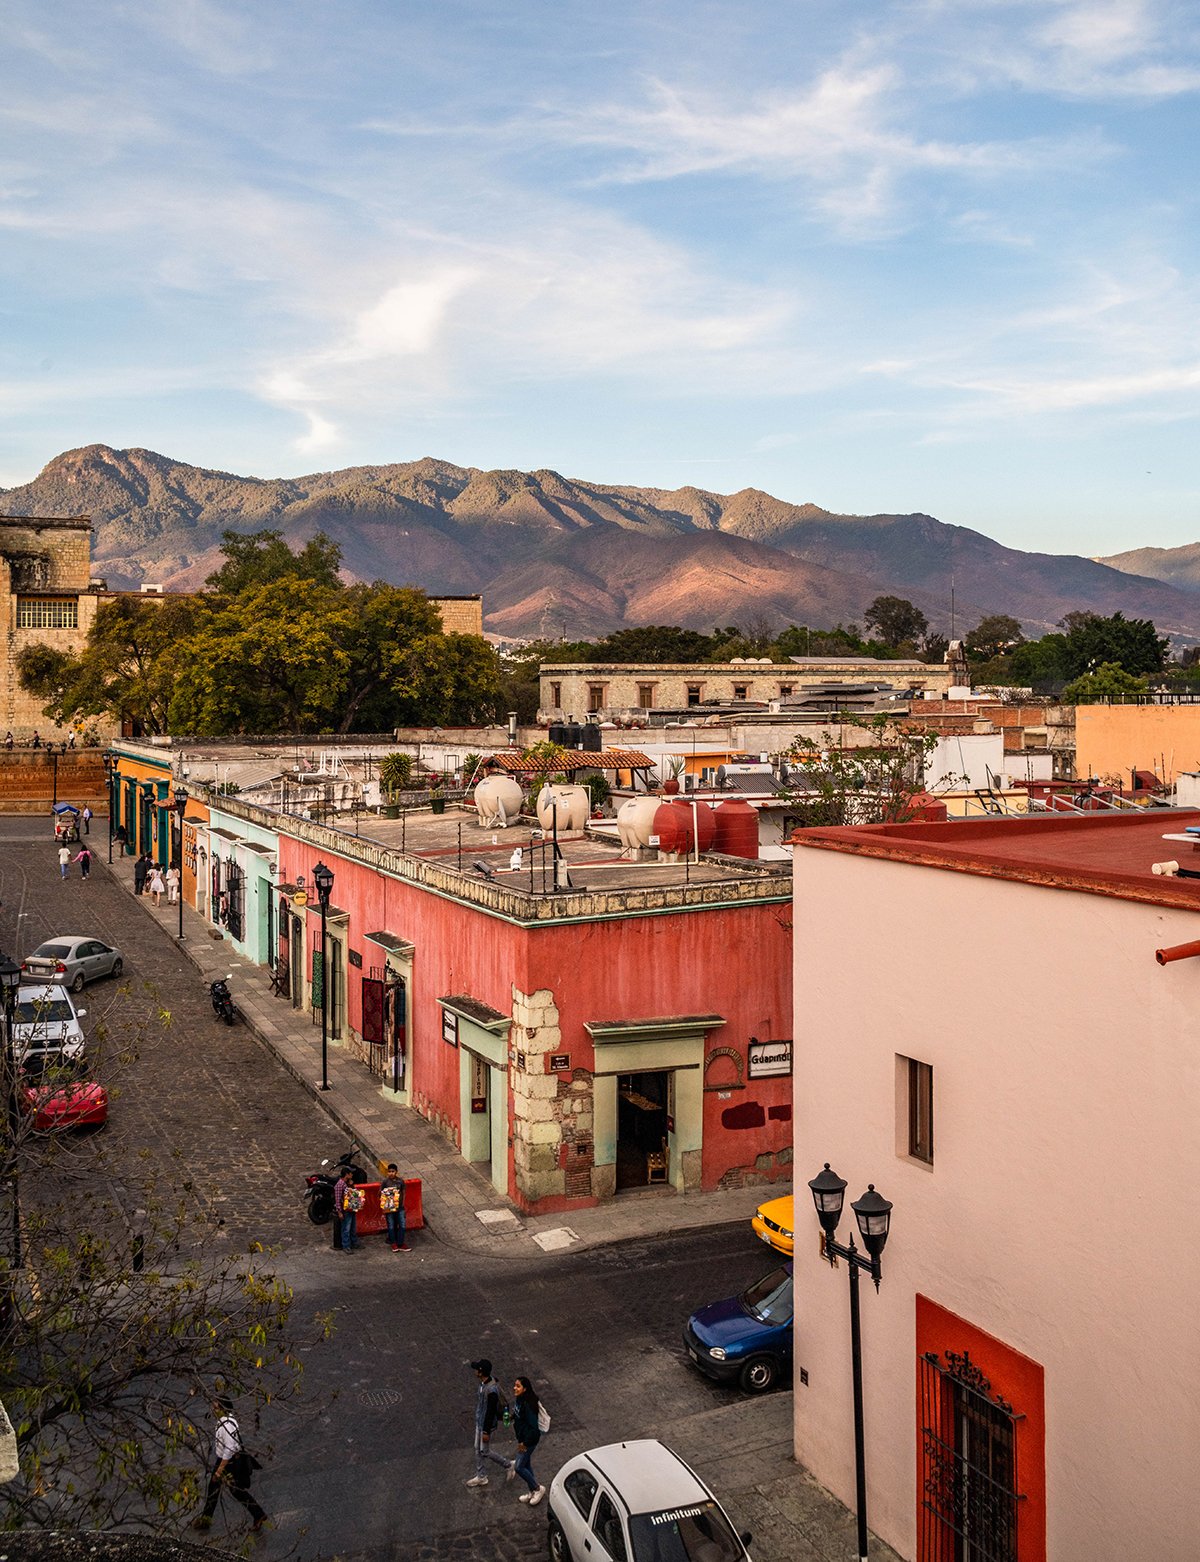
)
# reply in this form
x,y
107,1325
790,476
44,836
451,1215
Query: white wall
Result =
x,y
963,761
1059,1215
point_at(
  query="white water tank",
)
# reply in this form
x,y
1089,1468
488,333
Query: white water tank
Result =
x,y
498,801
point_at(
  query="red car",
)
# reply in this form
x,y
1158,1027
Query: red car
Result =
x,y
59,1100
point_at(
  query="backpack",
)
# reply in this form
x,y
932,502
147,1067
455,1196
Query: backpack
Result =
x,y
543,1418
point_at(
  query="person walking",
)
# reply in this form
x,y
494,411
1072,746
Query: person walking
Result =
x,y
172,885
346,1200
488,1406
70,743
64,860
391,1202
84,858
232,1469
87,820
528,1434
140,869
156,884
37,742
8,740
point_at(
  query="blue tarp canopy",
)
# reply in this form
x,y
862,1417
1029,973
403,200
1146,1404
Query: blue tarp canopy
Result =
x,y
65,808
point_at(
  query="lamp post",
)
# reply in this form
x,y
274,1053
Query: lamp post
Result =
x,y
109,761
323,879
10,980
179,804
873,1214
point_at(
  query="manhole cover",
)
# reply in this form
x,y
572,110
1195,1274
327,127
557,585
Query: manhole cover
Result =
x,y
379,1398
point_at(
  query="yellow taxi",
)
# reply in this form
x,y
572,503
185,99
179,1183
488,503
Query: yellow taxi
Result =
x,y
773,1223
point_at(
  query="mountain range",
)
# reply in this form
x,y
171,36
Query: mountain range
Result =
x,y
558,556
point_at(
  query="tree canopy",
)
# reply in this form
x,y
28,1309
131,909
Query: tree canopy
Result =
x,y
897,621
280,643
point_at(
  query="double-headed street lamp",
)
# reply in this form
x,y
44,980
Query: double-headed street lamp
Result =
x,y
179,803
873,1214
323,879
10,980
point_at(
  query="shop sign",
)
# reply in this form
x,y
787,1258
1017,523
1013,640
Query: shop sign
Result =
x,y
299,898
770,1059
479,1085
450,1027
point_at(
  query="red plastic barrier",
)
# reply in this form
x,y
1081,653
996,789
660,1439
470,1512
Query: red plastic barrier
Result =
x,y
371,1218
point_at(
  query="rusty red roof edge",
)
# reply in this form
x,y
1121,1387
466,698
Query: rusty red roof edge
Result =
x,y
942,846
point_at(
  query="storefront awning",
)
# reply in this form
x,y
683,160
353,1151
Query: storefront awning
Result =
x,y
665,1028
478,1013
392,942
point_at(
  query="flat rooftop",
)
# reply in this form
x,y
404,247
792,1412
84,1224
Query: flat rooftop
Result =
x,y
594,862
1099,854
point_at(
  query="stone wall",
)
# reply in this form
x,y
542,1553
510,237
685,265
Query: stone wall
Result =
x,y
460,615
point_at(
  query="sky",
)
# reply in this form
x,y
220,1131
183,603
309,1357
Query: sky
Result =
x,y
881,257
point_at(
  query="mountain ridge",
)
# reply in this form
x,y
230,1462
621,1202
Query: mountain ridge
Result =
x,y
547,551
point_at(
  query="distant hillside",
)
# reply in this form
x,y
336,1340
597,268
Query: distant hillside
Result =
x,y
554,555
1179,567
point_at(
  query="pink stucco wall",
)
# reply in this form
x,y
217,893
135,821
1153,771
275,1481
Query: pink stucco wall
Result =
x,y
1058,1214
733,961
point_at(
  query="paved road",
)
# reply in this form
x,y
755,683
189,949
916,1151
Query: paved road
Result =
x,y
202,1100
373,1466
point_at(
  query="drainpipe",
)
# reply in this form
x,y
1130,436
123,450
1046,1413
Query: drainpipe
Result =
x,y
1177,952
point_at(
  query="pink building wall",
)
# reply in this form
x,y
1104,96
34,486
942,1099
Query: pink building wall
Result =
x,y
734,961
1057,1216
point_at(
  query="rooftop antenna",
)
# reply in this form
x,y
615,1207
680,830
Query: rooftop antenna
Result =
x,y
952,636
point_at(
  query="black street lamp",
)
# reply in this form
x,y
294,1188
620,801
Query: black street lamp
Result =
x,y
873,1214
179,804
10,980
323,879
110,765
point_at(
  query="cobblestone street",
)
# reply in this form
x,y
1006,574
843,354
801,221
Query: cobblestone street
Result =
x,y
204,1100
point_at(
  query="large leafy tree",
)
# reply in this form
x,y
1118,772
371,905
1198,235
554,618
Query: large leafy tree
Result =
x,y
896,621
264,557
1132,643
127,668
993,636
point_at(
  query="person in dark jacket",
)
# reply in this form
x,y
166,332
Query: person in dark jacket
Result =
x,y
140,869
487,1418
528,1434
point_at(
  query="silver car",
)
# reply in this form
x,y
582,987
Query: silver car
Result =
x,y
72,960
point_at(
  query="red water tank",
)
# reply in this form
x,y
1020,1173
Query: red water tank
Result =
x,y
673,826
736,828
699,819
924,807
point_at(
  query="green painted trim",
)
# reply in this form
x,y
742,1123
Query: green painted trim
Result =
x,y
495,1027
484,1044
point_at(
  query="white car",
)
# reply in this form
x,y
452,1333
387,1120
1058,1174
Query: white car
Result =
x,y
45,1020
637,1502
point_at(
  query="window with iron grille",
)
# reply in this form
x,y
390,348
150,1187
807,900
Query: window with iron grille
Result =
x,y
235,887
968,1485
47,613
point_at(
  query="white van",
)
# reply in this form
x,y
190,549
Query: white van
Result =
x,y
45,1020
637,1502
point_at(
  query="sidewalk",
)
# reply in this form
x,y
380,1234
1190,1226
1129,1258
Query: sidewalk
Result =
x,y
460,1205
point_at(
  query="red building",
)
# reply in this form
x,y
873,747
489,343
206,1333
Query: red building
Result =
x,y
571,1041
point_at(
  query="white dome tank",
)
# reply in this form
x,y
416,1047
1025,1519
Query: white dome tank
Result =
x,y
635,821
498,800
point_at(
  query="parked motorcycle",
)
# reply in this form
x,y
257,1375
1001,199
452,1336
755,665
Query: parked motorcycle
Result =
x,y
222,1000
321,1184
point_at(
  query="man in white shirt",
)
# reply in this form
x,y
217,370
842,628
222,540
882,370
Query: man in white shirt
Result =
x,y
232,1469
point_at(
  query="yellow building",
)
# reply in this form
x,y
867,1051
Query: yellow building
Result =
x,y
1111,741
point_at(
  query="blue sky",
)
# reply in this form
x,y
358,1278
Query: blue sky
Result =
x,y
939,256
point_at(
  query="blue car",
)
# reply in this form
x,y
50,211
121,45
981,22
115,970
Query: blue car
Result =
x,y
747,1338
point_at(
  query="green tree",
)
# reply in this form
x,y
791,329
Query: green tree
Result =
x,y
272,660
1109,681
896,621
127,668
385,623
452,679
1132,643
264,557
993,636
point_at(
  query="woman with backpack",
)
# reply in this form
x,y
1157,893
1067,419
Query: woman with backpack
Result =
x,y
528,1417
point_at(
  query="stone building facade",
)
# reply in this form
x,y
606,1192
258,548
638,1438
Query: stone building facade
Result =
x,y
460,615
616,689
46,597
